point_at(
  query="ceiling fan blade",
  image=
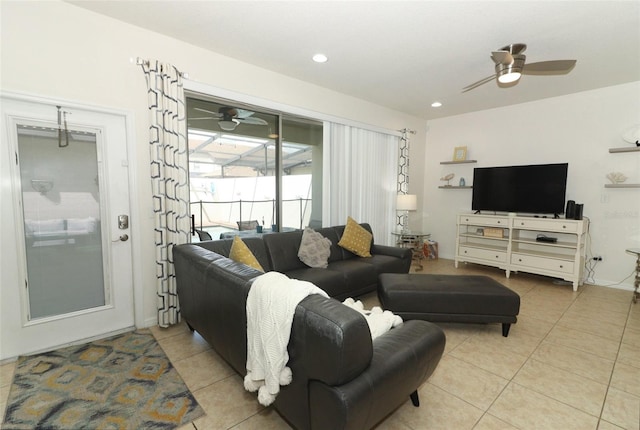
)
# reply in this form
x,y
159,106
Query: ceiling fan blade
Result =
x,y
253,121
217,115
555,67
477,84
502,57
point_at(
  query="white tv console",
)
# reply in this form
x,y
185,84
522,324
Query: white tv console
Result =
x,y
509,242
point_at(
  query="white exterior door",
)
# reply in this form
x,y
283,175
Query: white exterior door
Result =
x,y
66,256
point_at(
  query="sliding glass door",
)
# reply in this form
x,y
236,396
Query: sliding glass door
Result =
x,y
251,170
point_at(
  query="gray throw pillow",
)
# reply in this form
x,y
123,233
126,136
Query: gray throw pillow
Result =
x,y
314,249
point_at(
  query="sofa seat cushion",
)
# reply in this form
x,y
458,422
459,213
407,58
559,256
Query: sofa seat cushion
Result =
x,y
329,281
385,264
359,277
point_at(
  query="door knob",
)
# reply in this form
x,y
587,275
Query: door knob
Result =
x,y
122,238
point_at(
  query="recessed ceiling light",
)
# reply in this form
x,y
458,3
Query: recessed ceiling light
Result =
x,y
320,58
436,104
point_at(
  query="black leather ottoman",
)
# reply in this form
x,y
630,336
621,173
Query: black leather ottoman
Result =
x,y
449,298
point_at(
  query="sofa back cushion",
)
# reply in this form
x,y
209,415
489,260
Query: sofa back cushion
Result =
x,y
339,231
331,234
255,244
282,249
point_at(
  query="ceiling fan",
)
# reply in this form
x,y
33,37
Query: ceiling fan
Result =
x,y
230,117
510,65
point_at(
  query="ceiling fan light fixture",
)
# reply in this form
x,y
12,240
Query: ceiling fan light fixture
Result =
x,y
228,125
508,77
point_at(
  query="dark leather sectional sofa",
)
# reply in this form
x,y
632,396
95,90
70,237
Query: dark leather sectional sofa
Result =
x,y
341,378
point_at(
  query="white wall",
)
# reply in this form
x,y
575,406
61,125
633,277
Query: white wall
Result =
x,y
578,129
57,50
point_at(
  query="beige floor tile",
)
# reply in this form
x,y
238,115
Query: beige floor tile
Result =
x,y
531,326
574,390
179,347
489,422
163,333
226,403
517,343
631,336
188,426
573,360
468,382
626,378
605,425
6,373
537,310
439,410
609,294
4,397
598,305
583,341
582,322
593,310
526,409
487,357
267,419
622,409
629,354
393,422
202,369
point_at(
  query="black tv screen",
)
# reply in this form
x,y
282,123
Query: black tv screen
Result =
x,y
535,189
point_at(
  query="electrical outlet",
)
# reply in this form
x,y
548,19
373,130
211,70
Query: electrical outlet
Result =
x,y
597,258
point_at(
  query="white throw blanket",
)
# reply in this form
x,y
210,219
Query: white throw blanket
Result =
x,y
379,321
271,304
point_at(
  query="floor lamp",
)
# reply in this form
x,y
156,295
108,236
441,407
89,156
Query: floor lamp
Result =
x,y
406,203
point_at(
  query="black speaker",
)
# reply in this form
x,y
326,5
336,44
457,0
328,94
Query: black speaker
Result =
x,y
570,212
578,211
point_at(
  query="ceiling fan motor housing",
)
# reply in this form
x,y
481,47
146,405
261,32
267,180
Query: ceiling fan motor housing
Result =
x,y
514,67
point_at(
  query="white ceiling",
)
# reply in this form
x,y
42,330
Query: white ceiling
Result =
x,y
405,55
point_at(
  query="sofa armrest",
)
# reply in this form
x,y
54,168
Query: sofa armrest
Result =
x,y
330,341
392,251
402,360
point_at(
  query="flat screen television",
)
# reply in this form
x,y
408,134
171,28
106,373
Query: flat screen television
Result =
x,y
533,189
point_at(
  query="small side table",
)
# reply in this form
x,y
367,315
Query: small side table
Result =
x,y
414,242
636,284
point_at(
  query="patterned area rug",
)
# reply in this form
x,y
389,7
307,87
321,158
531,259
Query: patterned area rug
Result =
x,y
124,382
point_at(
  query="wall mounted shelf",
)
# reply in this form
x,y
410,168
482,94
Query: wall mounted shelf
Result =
x,y
625,149
455,187
459,162
622,185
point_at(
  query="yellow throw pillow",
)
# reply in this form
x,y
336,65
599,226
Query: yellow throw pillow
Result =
x,y
241,253
356,239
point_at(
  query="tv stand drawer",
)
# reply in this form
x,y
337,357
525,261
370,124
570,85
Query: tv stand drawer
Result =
x,y
561,226
491,221
542,263
484,254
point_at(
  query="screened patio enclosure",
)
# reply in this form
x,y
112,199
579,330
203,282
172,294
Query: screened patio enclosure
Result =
x,y
244,172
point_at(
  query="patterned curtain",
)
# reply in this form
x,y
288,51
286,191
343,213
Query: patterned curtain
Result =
x,y
403,173
169,178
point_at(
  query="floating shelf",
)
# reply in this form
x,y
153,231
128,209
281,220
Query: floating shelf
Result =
x,y
625,149
454,187
622,185
459,162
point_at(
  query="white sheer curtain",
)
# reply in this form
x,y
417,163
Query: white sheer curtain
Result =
x,y
360,178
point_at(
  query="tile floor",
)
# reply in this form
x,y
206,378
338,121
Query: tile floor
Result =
x,y
571,362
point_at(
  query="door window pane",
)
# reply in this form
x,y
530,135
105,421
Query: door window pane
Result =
x,y
61,209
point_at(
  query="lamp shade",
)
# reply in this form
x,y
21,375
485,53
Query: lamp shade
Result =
x,y
406,202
